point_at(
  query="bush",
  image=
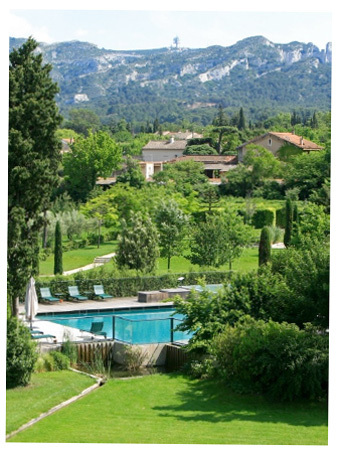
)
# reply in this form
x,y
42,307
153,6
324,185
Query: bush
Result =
x,y
262,218
276,234
51,362
277,359
61,361
69,349
21,354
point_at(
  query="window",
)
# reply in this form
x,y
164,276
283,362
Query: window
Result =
x,y
270,142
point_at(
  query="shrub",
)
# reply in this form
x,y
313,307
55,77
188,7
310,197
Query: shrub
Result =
x,y
21,354
262,218
129,286
288,222
277,359
61,361
69,349
134,357
276,234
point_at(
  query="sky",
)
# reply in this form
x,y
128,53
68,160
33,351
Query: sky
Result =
x,y
154,27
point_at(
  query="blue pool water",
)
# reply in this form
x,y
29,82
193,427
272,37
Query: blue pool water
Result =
x,y
134,327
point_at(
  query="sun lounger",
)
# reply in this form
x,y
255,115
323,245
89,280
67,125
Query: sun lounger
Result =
x,y
99,291
42,336
46,295
96,328
74,293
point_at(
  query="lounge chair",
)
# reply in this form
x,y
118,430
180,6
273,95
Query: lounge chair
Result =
x,y
46,295
74,293
36,332
96,328
99,291
41,336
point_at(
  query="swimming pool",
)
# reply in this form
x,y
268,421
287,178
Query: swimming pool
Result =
x,y
139,326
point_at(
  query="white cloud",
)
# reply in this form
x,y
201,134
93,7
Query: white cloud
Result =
x,y
21,28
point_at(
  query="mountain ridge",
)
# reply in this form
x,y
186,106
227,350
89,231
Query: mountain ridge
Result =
x,y
164,83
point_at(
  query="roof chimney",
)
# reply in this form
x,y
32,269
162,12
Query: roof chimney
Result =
x,y
171,140
301,140
293,131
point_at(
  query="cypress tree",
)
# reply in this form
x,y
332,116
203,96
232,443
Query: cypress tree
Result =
x,y
264,247
241,120
288,222
33,161
58,269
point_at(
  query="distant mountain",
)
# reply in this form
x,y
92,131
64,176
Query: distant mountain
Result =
x,y
171,83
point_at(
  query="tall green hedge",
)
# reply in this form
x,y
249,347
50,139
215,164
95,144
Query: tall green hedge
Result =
x,y
263,217
129,287
281,217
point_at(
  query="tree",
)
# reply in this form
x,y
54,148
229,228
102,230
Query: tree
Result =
x,y
83,121
171,223
33,160
58,269
263,164
92,157
202,149
209,195
132,174
264,251
220,239
241,120
288,222
138,244
184,176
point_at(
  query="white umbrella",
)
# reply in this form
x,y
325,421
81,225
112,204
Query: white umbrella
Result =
x,y
31,301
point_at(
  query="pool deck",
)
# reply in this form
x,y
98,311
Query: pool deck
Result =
x,y
90,305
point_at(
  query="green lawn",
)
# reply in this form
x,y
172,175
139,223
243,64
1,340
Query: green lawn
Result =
x,y
45,391
171,409
77,258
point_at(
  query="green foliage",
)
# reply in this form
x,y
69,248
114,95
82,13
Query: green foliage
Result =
x,y
287,151
90,158
58,250
264,253
138,244
130,286
132,174
288,222
33,160
262,162
70,350
172,225
306,271
83,121
209,195
21,354
307,172
219,239
51,362
276,359
185,176
237,182
281,217
202,149
263,217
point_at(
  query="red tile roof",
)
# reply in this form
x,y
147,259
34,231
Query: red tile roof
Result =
x,y
211,159
291,138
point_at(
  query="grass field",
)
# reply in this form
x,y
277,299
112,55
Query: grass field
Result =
x,y
45,391
171,409
77,258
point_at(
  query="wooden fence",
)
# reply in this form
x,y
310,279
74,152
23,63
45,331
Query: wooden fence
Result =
x,y
176,357
87,352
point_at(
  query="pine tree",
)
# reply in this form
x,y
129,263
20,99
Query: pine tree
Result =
x,y
288,222
33,160
58,269
264,254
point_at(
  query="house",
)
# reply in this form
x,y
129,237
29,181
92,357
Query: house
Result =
x,y
160,151
273,141
214,165
150,168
